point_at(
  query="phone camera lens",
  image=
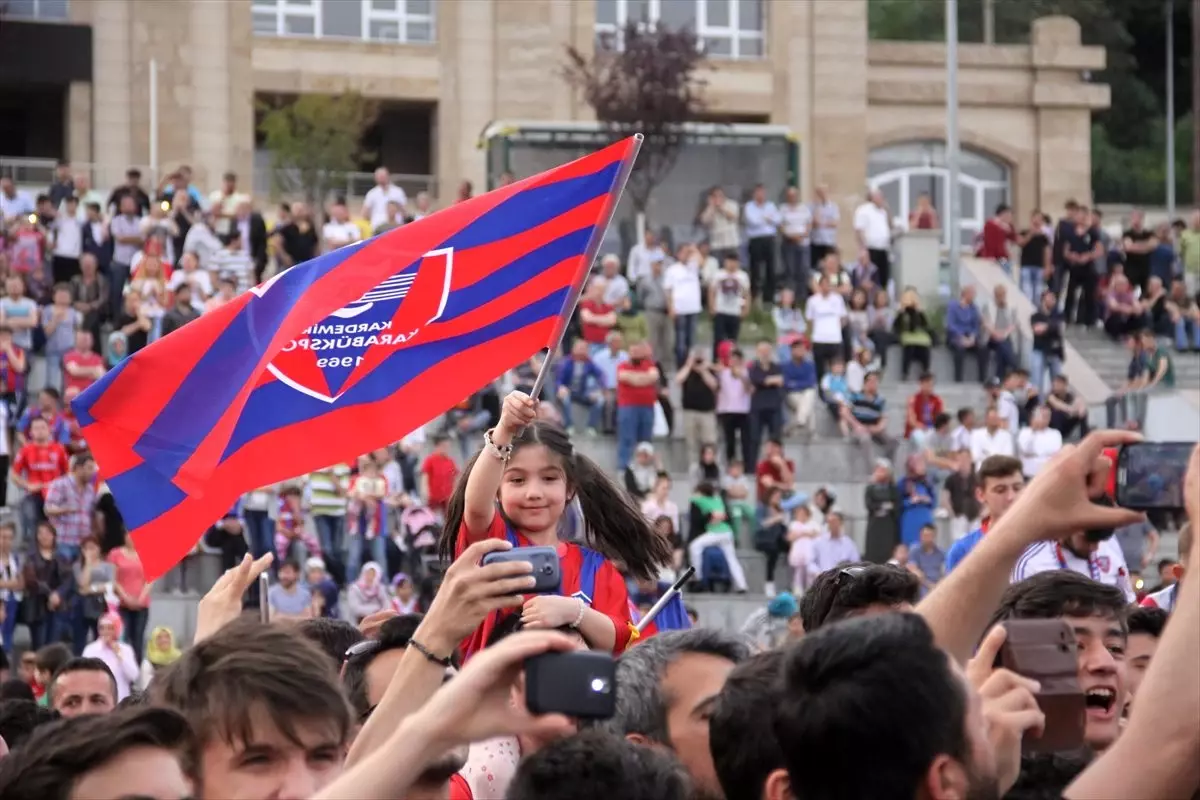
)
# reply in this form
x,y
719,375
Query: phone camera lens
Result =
x,y
600,685
547,570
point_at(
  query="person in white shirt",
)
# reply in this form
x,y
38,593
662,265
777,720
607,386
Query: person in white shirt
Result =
x,y
68,242
643,255
200,280
993,439
339,231
1038,443
1101,560
424,206
1005,403
826,315
681,283
13,202
720,218
825,219
873,226
616,289
374,208
796,223
762,224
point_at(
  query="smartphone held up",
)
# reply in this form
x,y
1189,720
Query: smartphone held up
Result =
x,y
1149,476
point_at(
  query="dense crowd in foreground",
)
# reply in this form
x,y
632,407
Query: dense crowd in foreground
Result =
x,y
870,671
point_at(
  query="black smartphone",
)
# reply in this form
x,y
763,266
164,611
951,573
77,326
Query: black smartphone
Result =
x,y
1150,475
1045,650
582,684
264,602
546,569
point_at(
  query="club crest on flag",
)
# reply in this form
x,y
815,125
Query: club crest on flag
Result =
x,y
319,361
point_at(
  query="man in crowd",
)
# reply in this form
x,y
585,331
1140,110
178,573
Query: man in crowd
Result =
x,y
964,327
370,665
998,481
182,312
83,686
1097,614
1145,629
1164,598
139,752
266,707
856,589
666,687
993,439
847,690
1092,554
637,394
834,547
746,754
599,766
580,382
289,598
38,463
71,503
1038,443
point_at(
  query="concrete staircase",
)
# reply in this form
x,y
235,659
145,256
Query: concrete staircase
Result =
x,y
1111,359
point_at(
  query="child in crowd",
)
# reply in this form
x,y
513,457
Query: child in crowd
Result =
x,y
835,391
802,532
368,490
739,494
404,596
517,488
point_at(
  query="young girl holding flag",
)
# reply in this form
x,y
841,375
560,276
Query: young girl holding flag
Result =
x,y
517,488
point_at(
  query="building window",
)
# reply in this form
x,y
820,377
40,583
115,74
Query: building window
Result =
x,y
727,29
906,170
34,9
407,21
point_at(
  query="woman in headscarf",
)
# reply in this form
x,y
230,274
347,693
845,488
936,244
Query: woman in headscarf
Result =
x,y
918,499
161,652
882,501
367,594
118,348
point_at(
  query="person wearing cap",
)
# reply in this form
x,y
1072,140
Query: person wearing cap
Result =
x,y
767,627
324,590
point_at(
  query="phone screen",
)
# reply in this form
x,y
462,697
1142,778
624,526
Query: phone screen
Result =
x,y
1150,474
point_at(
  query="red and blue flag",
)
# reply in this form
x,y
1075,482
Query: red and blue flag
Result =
x,y
344,353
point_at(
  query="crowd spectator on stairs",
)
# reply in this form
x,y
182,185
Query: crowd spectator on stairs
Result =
x,y
762,221
698,399
882,501
1160,368
800,389
643,256
774,472
766,400
733,407
642,473
685,301
790,325
1082,247
580,383
881,319
1047,353
652,298
596,317
924,407
708,519
637,394
1038,443
729,301
1037,268
659,503
1000,325
918,498
1185,316
833,547
914,333
964,334
993,439
1068,413
1156,309
865,416
720,218
826,313
959,497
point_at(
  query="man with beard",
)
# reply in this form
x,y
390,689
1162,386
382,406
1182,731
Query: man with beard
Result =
x,y
1097,614
880,686
1084,553
666,688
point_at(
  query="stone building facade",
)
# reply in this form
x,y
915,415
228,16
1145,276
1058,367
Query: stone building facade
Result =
x,y
1026,109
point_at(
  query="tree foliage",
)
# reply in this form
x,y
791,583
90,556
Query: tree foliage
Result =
x,y
643,81
1132,131
314,140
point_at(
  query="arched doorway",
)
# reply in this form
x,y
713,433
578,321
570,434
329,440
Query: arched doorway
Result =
x,y
904,170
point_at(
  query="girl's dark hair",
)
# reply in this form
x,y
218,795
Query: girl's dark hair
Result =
x,y
613,525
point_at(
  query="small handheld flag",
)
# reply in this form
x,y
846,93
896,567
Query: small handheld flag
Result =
x,y
668,613
345,353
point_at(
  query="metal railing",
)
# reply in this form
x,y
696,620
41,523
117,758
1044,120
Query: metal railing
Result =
x,y
36,174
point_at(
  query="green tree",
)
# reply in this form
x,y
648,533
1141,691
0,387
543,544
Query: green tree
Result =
x,y
314,140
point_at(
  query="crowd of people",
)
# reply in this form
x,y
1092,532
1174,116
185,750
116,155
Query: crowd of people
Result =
x,y
439,704
378,595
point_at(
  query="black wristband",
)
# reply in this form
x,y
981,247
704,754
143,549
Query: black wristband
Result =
x,y
429,656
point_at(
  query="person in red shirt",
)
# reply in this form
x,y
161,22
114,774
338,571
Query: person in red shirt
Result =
x,y
517,489
82,366
774,472
923,408
440,473
637,394
39,461
997,233
596,318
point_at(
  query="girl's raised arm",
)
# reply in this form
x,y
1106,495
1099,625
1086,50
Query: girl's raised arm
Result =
x,y
519,411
